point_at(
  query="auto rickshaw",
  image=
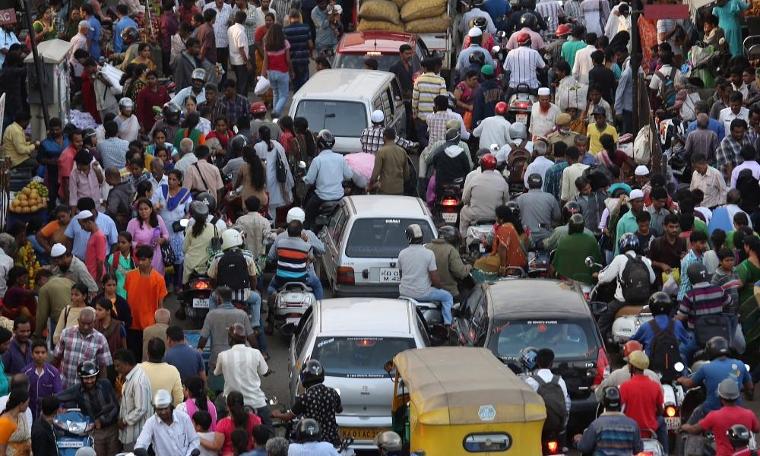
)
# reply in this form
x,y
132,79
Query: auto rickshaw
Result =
x,y
450,401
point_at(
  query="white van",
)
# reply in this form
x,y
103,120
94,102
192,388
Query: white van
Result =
x,y
342,100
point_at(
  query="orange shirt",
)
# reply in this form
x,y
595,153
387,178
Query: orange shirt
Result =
x,y
144,293
7,427
507,235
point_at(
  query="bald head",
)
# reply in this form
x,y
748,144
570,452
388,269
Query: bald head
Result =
x,y
162,316
186,145
157,166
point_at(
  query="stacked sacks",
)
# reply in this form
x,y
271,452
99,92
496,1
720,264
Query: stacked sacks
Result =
x,y
380,15
413,16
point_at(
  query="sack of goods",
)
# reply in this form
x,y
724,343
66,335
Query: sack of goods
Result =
x,y
422,9
417,16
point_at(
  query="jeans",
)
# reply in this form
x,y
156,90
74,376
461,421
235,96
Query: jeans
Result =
x,y
446,300
241,78
662,434
311,208
280,88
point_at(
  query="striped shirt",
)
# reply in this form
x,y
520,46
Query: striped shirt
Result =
x,y
552,11
292,255
426,88
136,405
522,63
703,299
612,434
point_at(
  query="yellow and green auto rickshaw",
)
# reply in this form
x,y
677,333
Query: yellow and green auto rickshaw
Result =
x,y
450,401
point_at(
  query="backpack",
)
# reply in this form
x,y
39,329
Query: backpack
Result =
x,y
667,87
708,326
554,399
232,270
281,171
634,281
664,350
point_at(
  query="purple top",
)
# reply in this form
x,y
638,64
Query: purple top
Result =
x,y
42,385
14,359
144,234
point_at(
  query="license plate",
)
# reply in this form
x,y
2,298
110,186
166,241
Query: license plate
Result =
x,y
450,217
360,433
70,444
673,422
522,118
390,275
200,303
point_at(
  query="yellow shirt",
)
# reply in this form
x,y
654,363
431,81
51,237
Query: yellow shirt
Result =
x,y
15,144
593,133
166,377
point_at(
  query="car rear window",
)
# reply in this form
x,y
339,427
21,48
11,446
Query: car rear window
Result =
x,y
382,237
384,62
342,118
569,339
358,357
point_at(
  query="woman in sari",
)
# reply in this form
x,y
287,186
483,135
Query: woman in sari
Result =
x,y
178,201
508,250
190,130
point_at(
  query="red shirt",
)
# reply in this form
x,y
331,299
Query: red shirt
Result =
x,y
65,165
96,251
277,60
146,99
225,426
642,397
719,421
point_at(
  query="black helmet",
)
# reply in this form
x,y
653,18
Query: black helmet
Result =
x,y
739,436
529,20
325,139
611,398
478,59
237,143
198,210
480,22
449,234
87,369
312,373
129,34
697,273
514,208
307,430
205,197
628,241
660,303
570,208
576,224
414,234
171,112
717,346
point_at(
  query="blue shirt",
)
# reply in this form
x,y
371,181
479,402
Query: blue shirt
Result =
x,y
463,61
93,36
713,125
496,9
121,25
645,333
327,173
714,372
186,359
686,261
80,237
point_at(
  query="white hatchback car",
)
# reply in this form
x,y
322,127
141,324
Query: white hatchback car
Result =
x,y
362,241
353,338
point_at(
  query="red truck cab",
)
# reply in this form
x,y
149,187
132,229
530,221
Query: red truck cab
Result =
x,y
354,48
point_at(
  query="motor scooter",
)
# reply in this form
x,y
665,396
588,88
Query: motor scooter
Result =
x,y
449,202
292,301
73,430
195,298
520,104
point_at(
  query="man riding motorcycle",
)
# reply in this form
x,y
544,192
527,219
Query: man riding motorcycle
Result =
x,y
559,233
482,194
539,209
307,440
660,307
451,269
612,431
523,64
623,374
452,164
739,437
326,173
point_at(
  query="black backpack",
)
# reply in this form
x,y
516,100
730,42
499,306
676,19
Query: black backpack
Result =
x,y
232,270
554,399
635,281
281,172
664,351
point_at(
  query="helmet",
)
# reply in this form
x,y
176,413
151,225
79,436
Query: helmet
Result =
x,y
231,238
570,208
307,430
198,74
388,441
205,197
449,234
325,139
377,117
728,389
563,30
487,162
258,107
414,234
89,133
660,303
237,143
528,357
739,436
126,103
480,22
129,34
198,210
477,58
171,112
611,398
717,346
295,213
162,399
501,108
514,208
575,224
312,373
627,242
529,20
87,369
518,131
631,346
696,273
523,38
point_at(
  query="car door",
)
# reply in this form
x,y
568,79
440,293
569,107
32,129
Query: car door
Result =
x,y
297,345
330,236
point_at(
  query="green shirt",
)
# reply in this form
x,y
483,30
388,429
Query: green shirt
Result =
x,y
570,257
570,48
626,224
748,311
125,265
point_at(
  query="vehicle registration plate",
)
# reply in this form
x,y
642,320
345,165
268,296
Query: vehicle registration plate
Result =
x,y
200,303
673,422
521,117
360,433
390,275
70,444
450,217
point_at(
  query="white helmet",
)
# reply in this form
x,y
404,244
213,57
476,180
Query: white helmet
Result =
x,y
518,131
295,213
494,148
126,103
199,74
162,399
231,238
377,117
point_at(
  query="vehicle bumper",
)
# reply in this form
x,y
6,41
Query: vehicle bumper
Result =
x,y
374,424
366,291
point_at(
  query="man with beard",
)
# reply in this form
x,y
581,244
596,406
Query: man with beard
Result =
x,y
74,268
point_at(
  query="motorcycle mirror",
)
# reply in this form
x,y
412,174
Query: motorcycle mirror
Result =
x,y
679,367
589,262
598,307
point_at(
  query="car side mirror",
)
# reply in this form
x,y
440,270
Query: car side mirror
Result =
x,y
598,307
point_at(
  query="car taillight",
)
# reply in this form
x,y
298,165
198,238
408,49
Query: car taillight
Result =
x,y
201,285
602,367
645,453
449,202
522,105
552,446
345,275
670,411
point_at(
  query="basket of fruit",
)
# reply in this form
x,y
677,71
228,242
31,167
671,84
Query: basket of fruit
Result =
x,y
31,199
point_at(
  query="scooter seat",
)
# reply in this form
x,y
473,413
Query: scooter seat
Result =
x,y
628,311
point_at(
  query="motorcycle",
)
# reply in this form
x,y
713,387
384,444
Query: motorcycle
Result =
x,y
651,446
520,104
673,397
479,238
449,202
293,299
195,298
73,430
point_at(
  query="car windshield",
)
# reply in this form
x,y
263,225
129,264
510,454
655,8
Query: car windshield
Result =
x,y
569,339
384,61
381,237
342,118
358,357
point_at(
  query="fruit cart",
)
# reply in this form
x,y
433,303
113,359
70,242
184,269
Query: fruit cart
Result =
x,y
28,205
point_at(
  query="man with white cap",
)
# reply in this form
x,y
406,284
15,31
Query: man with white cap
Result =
x,y
540,163
129,126
627,223
641,176
169,431
67,265
543,114
372,136
463,61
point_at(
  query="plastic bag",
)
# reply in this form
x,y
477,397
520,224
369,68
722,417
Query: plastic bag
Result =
x,y
262,86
